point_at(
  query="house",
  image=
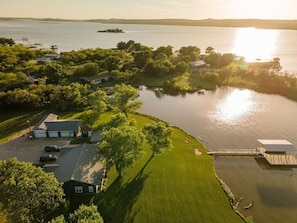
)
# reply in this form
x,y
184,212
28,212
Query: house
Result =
x,y
47,58
79,169
52,56
277,152
97,79
198,64
51,126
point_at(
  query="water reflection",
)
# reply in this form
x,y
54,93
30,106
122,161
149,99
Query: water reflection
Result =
x,y
235,106
255,44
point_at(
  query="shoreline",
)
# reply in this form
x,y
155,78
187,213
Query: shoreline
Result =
x,y
234,23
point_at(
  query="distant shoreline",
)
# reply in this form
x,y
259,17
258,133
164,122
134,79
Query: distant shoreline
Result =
x,y
256,23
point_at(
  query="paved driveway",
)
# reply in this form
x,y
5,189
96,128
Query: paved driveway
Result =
x,y
28,150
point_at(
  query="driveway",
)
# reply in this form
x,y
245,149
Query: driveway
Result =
x,y
29,150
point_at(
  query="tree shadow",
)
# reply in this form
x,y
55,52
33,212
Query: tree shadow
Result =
x,y
116,203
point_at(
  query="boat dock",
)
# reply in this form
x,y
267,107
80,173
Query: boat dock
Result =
x,y
234,152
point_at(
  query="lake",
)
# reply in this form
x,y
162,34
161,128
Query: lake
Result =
x,y
227,118
231,118
253,44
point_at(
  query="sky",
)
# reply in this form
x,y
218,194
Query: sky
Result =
x,y
150,9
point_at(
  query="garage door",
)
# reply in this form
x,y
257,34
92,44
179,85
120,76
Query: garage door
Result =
x,y
65,134
53,134
40,134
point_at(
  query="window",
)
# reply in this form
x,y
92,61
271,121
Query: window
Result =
x,y
91,189
78,189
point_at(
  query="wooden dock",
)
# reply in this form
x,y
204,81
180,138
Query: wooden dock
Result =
x,y
273,159
234,152
281,159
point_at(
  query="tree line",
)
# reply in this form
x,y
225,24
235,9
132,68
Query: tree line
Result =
x,y
58,84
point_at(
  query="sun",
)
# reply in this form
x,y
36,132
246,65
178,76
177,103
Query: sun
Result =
x,y
255,44
235,106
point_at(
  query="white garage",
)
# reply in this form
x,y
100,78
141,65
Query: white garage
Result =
x,y
51,127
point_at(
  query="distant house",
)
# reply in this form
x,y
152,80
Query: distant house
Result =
x,y
50,126
47,58
277,152
97,79
198,64
52,56
79,168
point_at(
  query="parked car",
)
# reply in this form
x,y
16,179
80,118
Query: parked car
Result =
x,y
47,157
52,148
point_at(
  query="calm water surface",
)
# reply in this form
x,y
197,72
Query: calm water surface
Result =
x,y
231,118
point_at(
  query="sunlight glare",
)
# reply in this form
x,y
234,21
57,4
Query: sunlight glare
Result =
x,y
235,106
255,44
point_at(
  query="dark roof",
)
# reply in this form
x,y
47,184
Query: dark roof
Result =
x,y
62,125
97,77
79,163
277,145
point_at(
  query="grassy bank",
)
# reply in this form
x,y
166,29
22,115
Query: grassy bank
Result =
x,y
176,186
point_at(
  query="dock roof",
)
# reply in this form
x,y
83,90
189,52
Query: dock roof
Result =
x,y
278,145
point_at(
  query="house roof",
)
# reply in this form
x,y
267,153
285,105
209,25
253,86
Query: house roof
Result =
x,y
41,123
197,63
277,145
79,163
97,77
62,125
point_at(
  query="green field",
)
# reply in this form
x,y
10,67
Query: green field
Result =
x,y
176,186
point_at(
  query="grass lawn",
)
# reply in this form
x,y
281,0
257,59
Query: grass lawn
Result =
x,y
13,123
176,186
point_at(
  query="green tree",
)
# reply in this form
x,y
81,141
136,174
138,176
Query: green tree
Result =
x,y
55,73
125,99
6,41
226,59
112,63
167,50
121,143
121,45
141,58
209,49
213,59
89,69
70,97
28,193
189,53
97,105
181,67
158,136
86,214
59,219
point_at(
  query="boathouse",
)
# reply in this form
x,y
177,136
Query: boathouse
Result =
x,y
277,152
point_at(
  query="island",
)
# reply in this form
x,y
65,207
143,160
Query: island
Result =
x,y
117,30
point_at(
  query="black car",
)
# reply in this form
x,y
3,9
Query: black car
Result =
x,y
47,157
52,148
